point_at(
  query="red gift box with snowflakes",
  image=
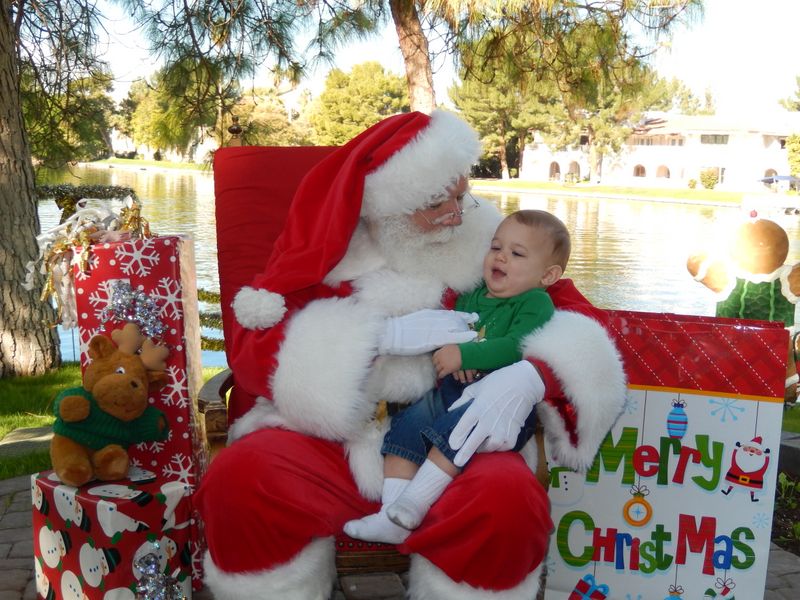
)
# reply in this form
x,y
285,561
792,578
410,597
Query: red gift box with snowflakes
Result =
x,y
87,541
161,268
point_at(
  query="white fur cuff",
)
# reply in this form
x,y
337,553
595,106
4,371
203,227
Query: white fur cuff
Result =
x,y
258,309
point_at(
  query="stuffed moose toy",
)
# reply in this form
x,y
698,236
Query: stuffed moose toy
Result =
x,y
95,424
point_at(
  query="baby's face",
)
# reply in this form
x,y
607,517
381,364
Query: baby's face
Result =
x,y
518,259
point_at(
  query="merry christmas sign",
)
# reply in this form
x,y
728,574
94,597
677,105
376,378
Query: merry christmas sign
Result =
x,y
678,503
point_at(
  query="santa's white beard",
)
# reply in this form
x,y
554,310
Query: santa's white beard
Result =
x,y
750,463
441,254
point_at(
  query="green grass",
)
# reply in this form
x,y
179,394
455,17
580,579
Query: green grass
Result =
x,y
791,419
28,402
691,195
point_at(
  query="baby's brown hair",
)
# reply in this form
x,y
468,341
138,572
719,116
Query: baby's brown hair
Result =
x,y
559,234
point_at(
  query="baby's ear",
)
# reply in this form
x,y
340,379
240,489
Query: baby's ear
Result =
x,y
552,274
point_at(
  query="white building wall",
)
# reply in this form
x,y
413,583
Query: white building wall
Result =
x,y
749,155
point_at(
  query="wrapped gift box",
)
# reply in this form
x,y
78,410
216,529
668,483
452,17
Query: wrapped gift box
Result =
x,y
163,269
663,508
88,540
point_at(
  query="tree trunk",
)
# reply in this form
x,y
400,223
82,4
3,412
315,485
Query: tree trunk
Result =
x,y
28,345
414,47
595,163
504,174
521,140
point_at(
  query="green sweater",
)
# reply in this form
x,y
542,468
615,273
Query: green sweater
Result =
x,y
100,429
505,322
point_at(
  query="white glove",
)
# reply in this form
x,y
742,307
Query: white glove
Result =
x,y
501,402
426,330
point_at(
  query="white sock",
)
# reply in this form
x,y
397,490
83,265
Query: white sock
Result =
x,y
377,527
413,504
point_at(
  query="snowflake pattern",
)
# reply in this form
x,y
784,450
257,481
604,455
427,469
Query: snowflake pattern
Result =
x,y
631,405
760,520
100,297
198,554
156,447
138,258
180,468
93,261
84,337
168,292
176,392
725,408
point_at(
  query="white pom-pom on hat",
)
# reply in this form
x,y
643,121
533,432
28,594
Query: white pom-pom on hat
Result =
x,y
258,309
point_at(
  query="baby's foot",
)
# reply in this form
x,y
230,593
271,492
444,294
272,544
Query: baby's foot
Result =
x,y
376,528
406,513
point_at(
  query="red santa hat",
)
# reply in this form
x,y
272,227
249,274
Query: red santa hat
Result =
x,y
397,166
755,443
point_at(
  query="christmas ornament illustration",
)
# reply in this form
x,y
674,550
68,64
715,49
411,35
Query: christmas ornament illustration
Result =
x,y
637,511
677,420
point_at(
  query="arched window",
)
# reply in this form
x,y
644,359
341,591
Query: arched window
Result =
x,y
638,171
575,170
663,171
555,171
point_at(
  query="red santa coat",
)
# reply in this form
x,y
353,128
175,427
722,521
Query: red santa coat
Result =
x,y
308,458
751,479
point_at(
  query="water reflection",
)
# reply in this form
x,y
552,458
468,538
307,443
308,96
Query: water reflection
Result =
x,y
626,254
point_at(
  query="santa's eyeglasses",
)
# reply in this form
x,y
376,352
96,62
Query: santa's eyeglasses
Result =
x,y
462,203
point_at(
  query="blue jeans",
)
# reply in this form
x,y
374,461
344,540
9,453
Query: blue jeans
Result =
x,y
427,423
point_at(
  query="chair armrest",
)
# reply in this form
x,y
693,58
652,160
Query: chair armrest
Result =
x,y
211,402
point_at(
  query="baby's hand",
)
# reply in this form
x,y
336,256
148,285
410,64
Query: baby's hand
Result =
x,y
446,360
465,377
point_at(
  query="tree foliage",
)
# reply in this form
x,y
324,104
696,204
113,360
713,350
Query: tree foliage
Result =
x,y
792,104
682,100
596,102
266,120
153,118
793,149
63,84
353,101
506,110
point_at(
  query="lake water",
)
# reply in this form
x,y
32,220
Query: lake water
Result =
x,y
626,254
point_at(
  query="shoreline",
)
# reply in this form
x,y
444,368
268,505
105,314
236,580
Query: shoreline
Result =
x,y
499,188
604,196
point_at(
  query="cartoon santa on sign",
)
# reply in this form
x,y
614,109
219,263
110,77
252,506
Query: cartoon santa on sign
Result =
x,y
749,463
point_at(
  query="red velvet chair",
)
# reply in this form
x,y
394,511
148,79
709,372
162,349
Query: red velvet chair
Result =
x,y
253,187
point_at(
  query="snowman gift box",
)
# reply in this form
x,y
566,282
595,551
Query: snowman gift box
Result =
x,y
89,541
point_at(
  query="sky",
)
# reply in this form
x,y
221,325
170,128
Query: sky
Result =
x,y
744,52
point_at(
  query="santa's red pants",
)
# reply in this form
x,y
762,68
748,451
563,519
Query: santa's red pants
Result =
x,y
269,494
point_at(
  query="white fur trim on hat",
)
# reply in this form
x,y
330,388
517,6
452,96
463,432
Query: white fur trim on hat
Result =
x,y
422,169
258,309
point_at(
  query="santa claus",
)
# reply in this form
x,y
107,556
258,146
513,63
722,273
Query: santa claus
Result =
x,y
380,237
749,463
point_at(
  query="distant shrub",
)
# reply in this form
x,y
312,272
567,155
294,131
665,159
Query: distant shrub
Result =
x,y
709,178
692,184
